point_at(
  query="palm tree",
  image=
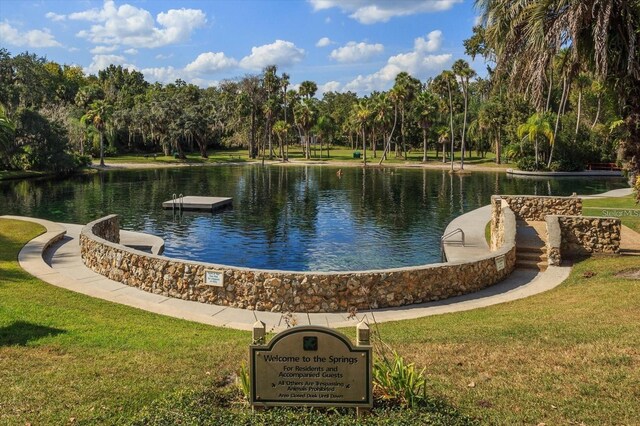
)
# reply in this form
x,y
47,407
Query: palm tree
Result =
x,y
426,105
536,126
443,84
308,89
464,72
362,113
99,116
304,115
405,88
281,130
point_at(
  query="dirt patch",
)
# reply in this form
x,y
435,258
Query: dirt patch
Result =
x,y
633,273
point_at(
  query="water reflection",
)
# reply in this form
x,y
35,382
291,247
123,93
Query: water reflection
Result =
x,y
286,217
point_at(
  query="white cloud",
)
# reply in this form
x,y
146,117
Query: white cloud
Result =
x,y
31,38
420,62
329,86
162,74
211,62
99,50
100,62
372,11
431,44
280,53
55,17
131,51
132,26
161,56
323,42
477,20
356,52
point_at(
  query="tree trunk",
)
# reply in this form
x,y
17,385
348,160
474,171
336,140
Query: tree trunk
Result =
x,y
101,149
451,123
424,144
364,147
595,120
579,111
464,128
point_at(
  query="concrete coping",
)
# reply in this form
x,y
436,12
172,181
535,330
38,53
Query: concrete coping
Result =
x,y
569,197
33,250
87,232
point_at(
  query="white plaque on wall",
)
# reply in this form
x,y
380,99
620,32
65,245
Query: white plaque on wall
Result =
x,y
214,278
500,263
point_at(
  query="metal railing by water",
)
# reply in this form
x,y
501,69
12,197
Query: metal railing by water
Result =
x,y
447,235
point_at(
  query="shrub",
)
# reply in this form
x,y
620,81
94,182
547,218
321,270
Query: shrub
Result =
x,y
528,164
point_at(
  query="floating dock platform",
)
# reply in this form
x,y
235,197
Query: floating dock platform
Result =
x,y
191,202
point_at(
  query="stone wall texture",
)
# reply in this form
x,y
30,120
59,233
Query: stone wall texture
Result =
x,y
527,207
281,291
584,235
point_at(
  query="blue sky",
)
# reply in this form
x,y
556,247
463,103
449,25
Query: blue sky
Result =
x,y
357,45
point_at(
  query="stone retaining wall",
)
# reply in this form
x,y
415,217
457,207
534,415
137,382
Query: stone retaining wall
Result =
x,y
585,235
527,207
576,236
281,291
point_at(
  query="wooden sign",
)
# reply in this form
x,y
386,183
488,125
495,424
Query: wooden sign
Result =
x,y
311,366
500,262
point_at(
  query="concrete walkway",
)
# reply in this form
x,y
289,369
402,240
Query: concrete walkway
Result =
x,y
54,257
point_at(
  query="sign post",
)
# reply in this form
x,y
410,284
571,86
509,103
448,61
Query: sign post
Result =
x,y
311,366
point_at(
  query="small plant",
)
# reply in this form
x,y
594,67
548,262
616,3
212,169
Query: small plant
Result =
x,y
243,381
396,380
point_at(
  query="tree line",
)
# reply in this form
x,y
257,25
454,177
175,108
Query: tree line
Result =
x,y
561,91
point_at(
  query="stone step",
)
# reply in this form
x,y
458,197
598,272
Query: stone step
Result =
x,y
530,249
537,256
630,252
532,264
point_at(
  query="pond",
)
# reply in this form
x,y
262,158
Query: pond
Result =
x,y
298,218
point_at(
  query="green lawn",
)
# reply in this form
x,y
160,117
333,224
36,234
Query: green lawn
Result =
x,y
340,154
624,208
566,356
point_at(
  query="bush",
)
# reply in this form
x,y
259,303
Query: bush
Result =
x,y
528,164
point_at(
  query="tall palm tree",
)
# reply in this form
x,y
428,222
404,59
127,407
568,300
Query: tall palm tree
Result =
x,y
426,105
443,84
537,126
99,116
281,130
362,115
304,114
464,72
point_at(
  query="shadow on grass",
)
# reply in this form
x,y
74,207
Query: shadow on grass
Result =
x,y
20,333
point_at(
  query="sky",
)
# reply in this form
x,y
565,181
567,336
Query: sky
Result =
x,y
356,45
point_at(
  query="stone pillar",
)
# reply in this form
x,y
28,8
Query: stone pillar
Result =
x,y
259,333
363,334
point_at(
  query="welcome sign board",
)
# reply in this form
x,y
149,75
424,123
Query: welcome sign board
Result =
x,y
311,366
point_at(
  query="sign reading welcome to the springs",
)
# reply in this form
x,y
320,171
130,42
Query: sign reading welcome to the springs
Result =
x,y
312,366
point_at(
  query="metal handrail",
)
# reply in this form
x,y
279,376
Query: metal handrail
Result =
x,y
451,234
447,235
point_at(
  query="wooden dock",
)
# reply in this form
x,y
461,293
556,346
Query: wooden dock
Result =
x,y
191,202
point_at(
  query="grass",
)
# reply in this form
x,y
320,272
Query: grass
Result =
x,y
336,154
566,356
624,208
